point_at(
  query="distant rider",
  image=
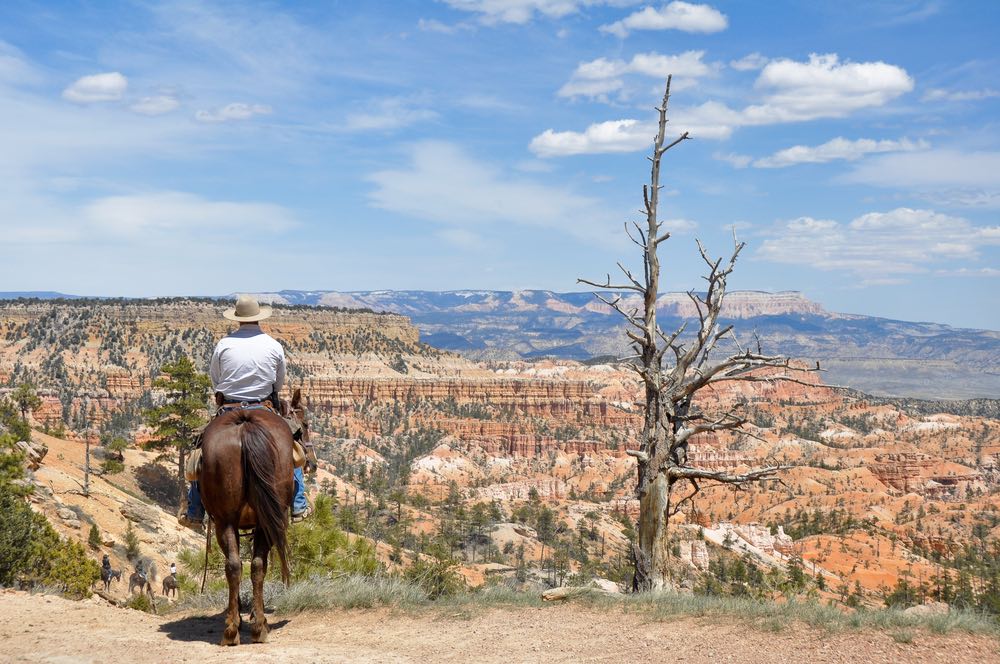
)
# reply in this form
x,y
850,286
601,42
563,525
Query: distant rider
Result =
x,y
248,368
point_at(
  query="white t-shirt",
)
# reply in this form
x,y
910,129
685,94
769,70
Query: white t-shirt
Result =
x,y
247,365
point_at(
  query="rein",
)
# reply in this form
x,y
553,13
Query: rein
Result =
x,y
208,546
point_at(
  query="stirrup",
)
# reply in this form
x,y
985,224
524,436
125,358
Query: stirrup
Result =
x,y
193,524
303,515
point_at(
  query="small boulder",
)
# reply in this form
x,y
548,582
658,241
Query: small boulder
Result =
x,y
607,585
928,609
66,514
139,513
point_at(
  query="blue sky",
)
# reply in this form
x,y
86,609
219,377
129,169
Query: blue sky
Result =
x,y
199,148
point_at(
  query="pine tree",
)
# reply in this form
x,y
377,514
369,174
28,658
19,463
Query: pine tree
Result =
x,y
131,543
94,538
26,400
174,423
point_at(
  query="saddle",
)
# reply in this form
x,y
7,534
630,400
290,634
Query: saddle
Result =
x,y
192,468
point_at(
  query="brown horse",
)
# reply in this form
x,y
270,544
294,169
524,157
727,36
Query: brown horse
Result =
x,y
169,585
108,575
246,482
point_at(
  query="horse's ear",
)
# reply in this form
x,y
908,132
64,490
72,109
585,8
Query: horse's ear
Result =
x,y
296,397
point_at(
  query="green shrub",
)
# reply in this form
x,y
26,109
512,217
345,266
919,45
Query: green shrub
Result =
x,y
131,543
438,577
94,538
31,550
140,602
318,547
70,568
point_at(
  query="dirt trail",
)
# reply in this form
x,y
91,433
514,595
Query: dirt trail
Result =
x,y
51,629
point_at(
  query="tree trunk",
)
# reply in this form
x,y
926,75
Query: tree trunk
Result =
x,y
86,469
653,550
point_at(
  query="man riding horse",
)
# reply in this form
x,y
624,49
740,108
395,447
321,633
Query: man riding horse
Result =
x,y
247,371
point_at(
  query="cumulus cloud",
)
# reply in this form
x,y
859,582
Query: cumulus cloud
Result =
x,y
597,78
627,135
155,105
171,212
611,136
230,112
677,15
95,88
749,62
492,12
388,114
836,149
822,87
879,245
443,184
938,94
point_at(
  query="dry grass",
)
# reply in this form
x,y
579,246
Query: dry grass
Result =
x,y
358,592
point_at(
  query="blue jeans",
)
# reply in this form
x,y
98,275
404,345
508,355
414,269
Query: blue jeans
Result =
x,y
196,510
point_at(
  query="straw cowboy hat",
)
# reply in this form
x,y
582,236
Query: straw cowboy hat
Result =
x,y
247,310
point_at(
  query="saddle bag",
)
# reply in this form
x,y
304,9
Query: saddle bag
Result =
x,y
192,467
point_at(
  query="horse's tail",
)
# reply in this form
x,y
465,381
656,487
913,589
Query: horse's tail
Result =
x,y
259,459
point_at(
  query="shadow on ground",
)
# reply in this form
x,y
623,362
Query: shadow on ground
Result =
x,y
208,629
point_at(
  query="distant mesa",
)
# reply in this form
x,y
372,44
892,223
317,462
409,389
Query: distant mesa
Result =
x,y
876,355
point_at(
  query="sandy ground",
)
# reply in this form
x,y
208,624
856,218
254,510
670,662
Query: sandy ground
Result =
x,y
51,629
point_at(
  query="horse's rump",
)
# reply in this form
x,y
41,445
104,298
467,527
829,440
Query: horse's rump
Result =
x,y
246,474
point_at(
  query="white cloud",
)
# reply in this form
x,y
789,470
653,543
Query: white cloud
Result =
x,y
822,87
388,114
733,159
967,272
944,176
879,245
109,86
445,185
938,94
492,12
599,77
838,148
14,67
234,111
172,212
626,135
749,62
934,168
156,105
611,136
677,15
680,226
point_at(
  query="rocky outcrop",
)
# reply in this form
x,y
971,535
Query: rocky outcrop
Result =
x,y
508,491
695,553
916,472
33,452
760,537
560,399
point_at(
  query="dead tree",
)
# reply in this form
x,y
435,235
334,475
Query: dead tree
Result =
x,y
673,368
